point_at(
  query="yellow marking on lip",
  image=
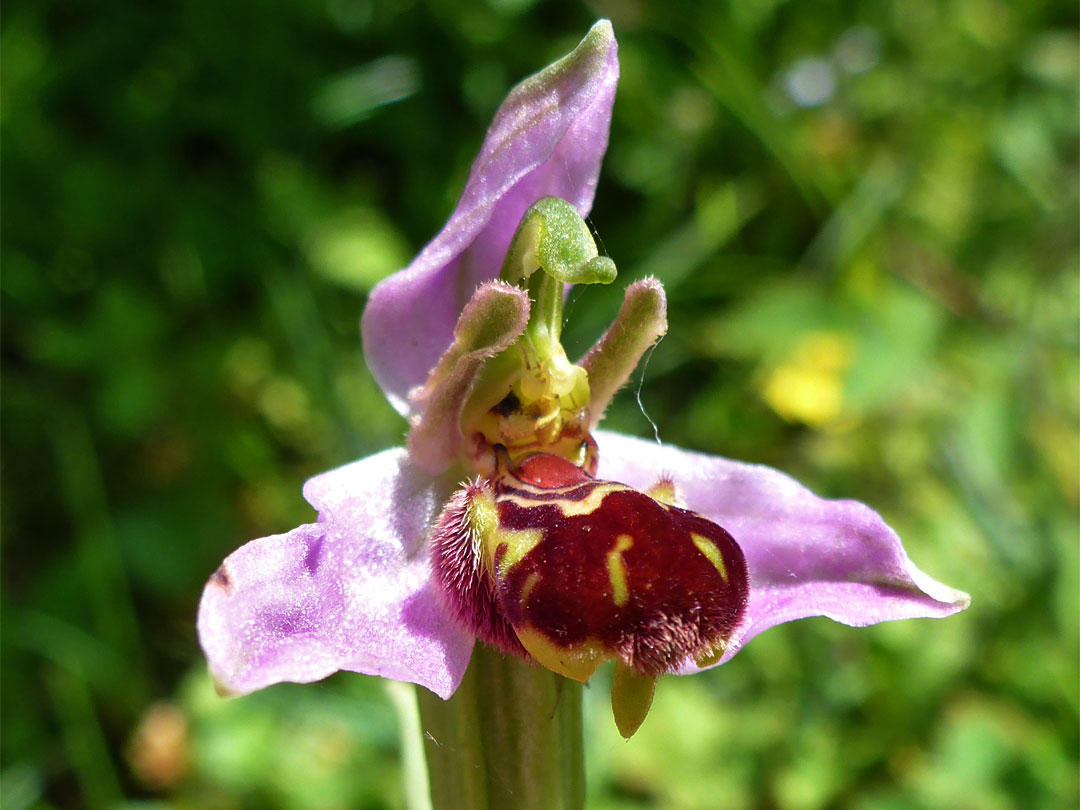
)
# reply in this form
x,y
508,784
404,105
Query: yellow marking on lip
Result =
x,y
482,518
577,663
518,542
527,588
586,506
481,514
620,594
706,547
665,492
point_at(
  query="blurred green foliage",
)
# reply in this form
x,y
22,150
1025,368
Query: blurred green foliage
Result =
x,y
866,218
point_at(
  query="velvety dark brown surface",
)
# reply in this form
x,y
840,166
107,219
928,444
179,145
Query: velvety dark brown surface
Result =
x,y
678,603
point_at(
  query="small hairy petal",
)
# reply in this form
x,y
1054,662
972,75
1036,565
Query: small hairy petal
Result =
x,y
807,556
494,317
352,591
641,322
547,139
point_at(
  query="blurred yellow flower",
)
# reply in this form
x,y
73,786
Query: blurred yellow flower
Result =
x,y
808,386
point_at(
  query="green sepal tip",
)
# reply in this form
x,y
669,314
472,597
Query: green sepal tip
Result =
x,y
631,698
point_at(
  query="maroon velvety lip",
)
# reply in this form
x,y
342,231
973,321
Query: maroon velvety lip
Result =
x,y
650,583
683,581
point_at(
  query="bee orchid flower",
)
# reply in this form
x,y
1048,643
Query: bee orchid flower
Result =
x,y
509,517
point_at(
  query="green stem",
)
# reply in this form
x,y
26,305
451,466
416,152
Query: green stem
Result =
x,y
509,739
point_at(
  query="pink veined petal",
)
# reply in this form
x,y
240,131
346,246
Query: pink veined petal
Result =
x,y
352,591
807,556
547,138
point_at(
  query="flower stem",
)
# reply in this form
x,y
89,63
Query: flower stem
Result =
x,y
510,737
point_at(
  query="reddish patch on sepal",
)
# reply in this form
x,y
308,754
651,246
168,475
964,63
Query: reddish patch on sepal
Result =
x,y
458,569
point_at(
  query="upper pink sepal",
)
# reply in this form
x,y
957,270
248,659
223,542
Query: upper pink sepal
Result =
x,y
547,139
352,591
